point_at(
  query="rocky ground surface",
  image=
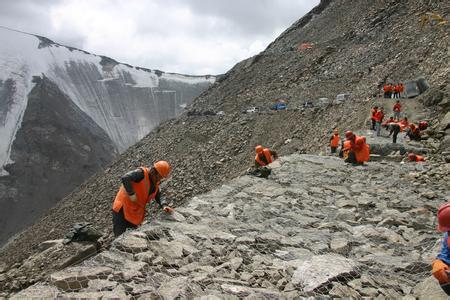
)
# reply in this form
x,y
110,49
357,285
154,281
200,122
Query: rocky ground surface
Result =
x,y
208,150
365,231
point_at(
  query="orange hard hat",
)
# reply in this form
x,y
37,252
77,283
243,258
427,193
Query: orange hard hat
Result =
x,y
259,149
349,134
412,156
444,217
163,168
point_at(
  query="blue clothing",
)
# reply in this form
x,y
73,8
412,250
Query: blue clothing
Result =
x,y
444,255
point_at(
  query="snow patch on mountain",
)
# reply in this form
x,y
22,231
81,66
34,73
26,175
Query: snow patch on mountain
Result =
x,y
126,101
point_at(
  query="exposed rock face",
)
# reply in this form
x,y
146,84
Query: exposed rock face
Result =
x,y
57,147
277,238
379,219
44,153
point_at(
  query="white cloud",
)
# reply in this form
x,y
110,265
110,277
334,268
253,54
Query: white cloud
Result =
x,y
184,36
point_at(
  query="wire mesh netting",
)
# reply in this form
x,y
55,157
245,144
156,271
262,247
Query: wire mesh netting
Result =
x,y
285,237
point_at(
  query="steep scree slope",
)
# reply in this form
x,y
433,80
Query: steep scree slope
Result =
x,y
350,55
316,227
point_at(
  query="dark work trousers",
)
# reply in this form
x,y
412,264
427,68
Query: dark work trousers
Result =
x,y
120,225
395,129
333,149
352,159
373,124
446,288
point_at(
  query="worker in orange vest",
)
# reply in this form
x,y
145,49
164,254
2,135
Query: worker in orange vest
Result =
x,y
423,125
440,266
415,158
359,150
264,156
397,91
401,89
414,133
404,124
372,116
397,109
379,116
388,89
345,149
334,141
138,188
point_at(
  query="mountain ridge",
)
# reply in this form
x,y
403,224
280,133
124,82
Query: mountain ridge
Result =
x,y
206,150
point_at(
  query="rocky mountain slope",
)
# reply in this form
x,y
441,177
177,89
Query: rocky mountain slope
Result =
x,y
363,232
122,104
357,46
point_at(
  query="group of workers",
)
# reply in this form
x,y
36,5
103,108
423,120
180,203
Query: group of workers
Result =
x,y
395,125
354,149
393,90
141,186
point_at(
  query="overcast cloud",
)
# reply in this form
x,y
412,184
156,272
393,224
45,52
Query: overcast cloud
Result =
x,y
183,36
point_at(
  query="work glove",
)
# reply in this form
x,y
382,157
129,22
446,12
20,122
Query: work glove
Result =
x,y
133,198
440,271
168,209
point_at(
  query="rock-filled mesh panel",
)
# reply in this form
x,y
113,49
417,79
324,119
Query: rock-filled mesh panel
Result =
x,y
316,227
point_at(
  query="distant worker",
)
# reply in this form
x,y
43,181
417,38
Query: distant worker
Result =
x,y
415,158
394,129
440,266
423,125
397,109
379,116
404,124
386,123
402,89
359,150
397,91
138,188
334,141
264,156
388,89
414,133
372,116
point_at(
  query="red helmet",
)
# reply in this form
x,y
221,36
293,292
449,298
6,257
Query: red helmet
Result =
x,y
163,168
259,149
349,134
444,217
412,156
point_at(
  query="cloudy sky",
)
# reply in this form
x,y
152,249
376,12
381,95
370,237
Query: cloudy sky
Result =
x,y
183,36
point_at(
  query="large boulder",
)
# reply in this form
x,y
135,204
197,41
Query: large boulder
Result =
x,y
76,278
322,269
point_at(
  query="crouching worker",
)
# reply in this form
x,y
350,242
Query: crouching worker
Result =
x,y
415,158
440,265
334,141
359,150
138,188
264,156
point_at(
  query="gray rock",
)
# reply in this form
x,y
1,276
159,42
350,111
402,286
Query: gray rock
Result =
x,y
76,278
318,270
131,244
38,291
429,289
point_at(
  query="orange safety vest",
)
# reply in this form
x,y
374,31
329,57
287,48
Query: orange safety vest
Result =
x,y
397,107
420,158
361,149
378,117
267,155
374,112
134,212
347,147
334,141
